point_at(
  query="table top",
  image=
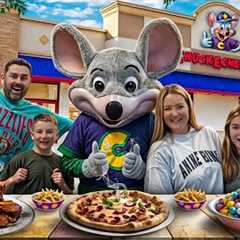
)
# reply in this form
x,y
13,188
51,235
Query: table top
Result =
x,y
187,224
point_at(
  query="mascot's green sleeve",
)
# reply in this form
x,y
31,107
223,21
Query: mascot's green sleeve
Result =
x,y
115,90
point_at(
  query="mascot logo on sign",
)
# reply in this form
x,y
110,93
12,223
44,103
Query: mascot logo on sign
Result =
x,y
223,28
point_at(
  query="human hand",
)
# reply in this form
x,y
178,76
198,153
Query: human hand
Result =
x,y
96,164
133,166
19,176
57,177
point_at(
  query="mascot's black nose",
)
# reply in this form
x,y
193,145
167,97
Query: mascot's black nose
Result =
x,y
114,110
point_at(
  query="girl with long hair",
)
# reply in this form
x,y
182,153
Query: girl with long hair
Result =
x,y
184,154
231,151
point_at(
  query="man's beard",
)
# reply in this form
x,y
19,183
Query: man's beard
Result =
x,y
9,92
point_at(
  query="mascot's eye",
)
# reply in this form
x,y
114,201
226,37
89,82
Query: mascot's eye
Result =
x,y
99,84
131,84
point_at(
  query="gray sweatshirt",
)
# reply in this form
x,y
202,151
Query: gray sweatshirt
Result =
x,y
191,160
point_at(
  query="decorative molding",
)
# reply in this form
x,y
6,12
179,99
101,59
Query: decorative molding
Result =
x,y
44,39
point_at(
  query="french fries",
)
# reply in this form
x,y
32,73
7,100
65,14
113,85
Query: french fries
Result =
x,y
48,195
191,195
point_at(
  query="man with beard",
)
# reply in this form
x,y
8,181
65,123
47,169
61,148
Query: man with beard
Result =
x,y
16,113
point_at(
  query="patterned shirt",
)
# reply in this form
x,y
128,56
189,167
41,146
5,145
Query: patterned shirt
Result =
x,y
115,143
15,125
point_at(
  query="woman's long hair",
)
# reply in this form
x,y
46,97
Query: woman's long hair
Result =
x,y
160,128
230,163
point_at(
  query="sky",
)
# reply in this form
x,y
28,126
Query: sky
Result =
x,y
87,12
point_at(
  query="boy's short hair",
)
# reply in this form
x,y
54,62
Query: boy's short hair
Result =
x,y
18,61
44,117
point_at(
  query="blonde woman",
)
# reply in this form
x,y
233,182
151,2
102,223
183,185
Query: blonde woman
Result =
x,y
185,154
231,151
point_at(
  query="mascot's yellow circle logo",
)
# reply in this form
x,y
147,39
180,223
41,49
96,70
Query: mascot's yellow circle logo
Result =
x,y
115,145
220,45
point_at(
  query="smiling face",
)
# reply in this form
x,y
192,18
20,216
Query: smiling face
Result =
x,y
176,113
16,82
234,132
44,135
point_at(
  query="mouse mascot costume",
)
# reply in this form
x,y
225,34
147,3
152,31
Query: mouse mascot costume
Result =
x,y
115,91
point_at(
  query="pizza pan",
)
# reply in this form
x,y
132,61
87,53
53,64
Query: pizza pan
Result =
x,y
66,219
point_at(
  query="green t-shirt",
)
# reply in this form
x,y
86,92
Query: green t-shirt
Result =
x,y
40,169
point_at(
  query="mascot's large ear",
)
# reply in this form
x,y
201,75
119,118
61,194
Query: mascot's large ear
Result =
x,y
72,52
159,47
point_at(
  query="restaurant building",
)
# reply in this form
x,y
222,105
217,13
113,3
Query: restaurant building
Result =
x,y
209,68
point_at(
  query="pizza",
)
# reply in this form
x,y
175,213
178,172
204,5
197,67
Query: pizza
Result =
x,y
118,211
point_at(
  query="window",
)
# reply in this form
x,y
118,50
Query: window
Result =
x,y
44,94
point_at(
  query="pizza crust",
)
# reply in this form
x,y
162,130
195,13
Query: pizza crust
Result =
x,y
130,226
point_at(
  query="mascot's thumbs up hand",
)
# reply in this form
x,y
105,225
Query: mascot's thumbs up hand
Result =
x,y
96,164
206,40
133,166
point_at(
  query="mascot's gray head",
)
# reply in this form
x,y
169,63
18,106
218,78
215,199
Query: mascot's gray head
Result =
x,y
114,85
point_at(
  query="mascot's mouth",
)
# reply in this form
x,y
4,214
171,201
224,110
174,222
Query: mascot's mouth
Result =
x,y
110,122
221,36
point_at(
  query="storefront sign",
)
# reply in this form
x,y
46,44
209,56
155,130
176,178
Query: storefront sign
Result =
x,y
214,61
221,36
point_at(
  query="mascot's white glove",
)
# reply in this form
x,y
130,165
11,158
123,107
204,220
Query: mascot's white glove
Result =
x,y
134,166
96,164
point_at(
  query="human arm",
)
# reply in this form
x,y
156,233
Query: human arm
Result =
x,y
14,172
58,179
64,124
214,137
19,176
158,177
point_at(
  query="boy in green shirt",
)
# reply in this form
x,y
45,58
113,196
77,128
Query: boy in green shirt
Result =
x,y
31,171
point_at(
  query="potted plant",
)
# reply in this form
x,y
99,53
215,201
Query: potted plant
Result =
x,y
13,6
167,2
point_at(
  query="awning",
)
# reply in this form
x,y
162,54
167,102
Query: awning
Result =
x,y
44,70
203,83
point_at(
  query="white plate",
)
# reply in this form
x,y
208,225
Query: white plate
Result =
x,y
25,219
212,207
63,215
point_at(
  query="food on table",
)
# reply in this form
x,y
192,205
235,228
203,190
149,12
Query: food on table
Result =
x,y
190,199
118,211
9,210
229,205
48,195
191,195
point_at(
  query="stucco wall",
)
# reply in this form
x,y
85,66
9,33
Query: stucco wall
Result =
x,y
212,110
33,34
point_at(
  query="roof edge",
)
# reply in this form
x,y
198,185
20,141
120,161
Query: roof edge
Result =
x,y
210,4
